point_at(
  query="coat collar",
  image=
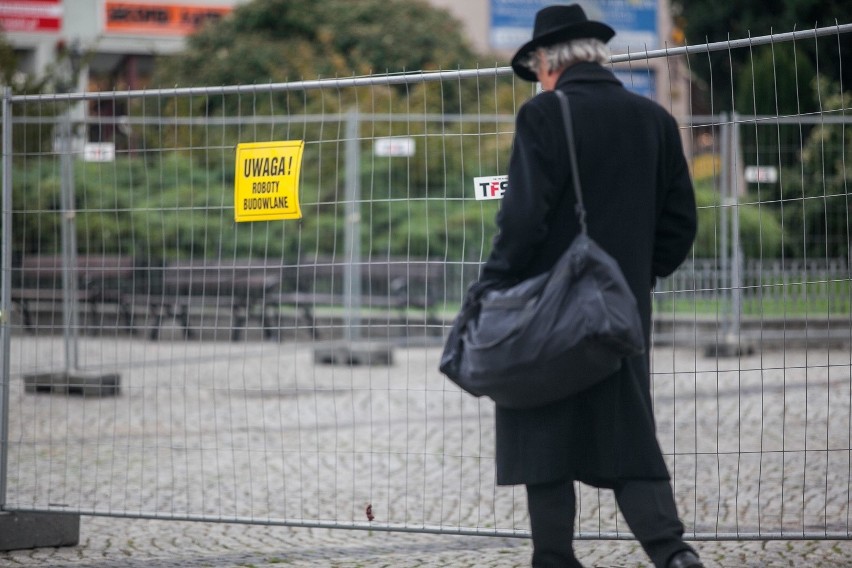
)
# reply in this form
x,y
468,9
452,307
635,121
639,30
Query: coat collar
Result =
x,y
586,72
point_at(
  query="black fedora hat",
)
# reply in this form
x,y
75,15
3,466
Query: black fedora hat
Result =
x,y
556,24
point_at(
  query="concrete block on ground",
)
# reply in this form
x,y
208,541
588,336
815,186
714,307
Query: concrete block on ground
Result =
x,y
729,348
20,531
354,353
85,383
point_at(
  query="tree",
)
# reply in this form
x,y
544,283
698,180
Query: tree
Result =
x,y
289,40
782,79
815,198
28,137
760,228
777,80
714,21
273,41
38,230
173,196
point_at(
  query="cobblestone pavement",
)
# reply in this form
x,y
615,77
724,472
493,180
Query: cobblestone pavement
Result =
x,y
257,433
115,543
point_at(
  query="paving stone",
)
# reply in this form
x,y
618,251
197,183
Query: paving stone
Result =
x,y
260,430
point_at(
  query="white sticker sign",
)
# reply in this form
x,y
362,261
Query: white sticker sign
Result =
x,y
99,152
394,146
761,174
490,187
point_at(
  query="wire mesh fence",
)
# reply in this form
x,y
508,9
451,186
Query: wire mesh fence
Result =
x,y
285,372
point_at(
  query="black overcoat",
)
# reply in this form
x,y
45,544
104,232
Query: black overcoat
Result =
x,y
641,209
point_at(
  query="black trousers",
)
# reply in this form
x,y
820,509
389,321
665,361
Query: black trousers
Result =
x,y
647,506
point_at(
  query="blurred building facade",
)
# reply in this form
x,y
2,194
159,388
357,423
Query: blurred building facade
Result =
x,y
113,42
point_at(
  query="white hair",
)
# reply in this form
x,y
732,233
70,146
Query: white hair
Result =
x,y
565,54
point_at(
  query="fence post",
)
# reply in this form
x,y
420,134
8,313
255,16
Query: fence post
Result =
x,y
724,252
352,274
734,187
70,307
730,343
18,530
353,351
5,289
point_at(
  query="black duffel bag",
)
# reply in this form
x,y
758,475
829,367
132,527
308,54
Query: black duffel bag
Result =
x,y
550,336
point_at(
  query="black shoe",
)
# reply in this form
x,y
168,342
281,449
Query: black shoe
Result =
x,y
685,559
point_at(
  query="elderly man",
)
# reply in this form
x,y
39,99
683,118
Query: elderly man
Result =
x,y
641,210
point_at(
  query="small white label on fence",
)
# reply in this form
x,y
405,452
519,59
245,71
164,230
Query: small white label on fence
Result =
x,y
99,152
394,147
490,187
761,174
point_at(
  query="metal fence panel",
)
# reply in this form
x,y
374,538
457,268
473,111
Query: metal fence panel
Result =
x,y
162,361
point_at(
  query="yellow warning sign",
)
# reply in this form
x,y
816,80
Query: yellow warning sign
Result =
x,y
266,184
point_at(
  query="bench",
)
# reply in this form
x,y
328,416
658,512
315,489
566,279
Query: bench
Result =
x,y
182,288
200,290
37,280
387,284
164,289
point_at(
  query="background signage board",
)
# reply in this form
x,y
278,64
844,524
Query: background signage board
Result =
x,y
642,81
166,19
31,15
634,21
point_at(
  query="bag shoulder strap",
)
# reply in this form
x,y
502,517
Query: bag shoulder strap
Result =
x,y
572,155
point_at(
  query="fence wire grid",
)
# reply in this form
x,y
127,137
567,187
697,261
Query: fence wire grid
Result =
x,y
162,361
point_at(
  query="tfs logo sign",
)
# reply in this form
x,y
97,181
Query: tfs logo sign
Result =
x,y
490,187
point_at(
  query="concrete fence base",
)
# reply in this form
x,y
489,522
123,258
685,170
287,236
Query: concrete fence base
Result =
x,y
20,531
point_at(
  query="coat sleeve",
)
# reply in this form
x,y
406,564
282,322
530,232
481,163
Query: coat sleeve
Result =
x,y
676,215
536,181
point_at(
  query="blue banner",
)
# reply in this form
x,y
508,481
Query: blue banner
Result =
x,y
639,80
634,21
